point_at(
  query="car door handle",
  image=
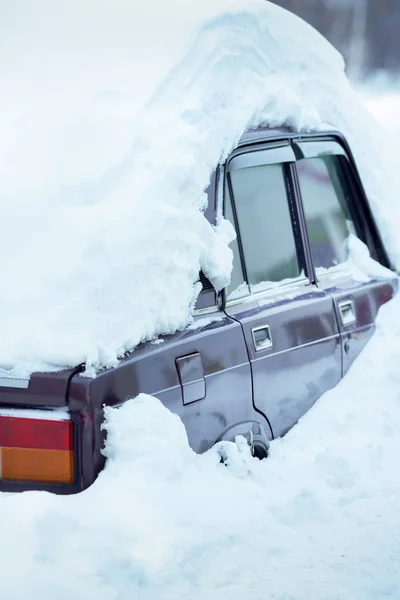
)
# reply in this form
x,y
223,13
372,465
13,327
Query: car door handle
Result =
x,y
347,312
262,338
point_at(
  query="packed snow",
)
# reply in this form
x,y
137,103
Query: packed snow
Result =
x,y
318,519
84,172
359,266
112,119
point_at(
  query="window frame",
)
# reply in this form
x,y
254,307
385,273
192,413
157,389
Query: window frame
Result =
x,y
277,150
209,301
358,205
359,200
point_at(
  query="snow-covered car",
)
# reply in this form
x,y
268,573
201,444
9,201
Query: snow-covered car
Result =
x,y
309,274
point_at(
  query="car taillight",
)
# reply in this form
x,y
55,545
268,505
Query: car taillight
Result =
x,y
34,449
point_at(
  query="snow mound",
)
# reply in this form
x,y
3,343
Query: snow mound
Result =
x,y
318,519
112,119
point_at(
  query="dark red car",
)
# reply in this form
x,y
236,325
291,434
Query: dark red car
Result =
x,y
260,353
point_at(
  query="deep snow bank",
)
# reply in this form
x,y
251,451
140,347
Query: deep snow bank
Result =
x,y
112,117
318,519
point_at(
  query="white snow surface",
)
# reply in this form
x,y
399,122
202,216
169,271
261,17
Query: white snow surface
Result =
x,y
112,117
359,266
319,519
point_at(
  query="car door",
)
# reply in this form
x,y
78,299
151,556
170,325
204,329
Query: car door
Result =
x,y
289,324
340,230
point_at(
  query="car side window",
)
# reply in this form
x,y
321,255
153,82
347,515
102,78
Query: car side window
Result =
x,y
238,286
326,201
259,196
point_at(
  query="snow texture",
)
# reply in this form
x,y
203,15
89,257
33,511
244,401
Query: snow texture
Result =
x,y
112,118
359,266
319,519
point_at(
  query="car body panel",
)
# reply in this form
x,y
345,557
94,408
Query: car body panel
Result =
x,y
365,300
211,375
151,369
39,390
304,359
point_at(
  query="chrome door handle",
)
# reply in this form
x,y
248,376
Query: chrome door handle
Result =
x,y
262,339
347,312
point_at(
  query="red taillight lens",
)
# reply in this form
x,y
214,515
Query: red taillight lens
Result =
x,y
36,450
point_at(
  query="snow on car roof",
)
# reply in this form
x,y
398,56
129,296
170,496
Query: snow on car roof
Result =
x,y
113,116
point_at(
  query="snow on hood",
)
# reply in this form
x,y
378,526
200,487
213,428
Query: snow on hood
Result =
x,y
112,117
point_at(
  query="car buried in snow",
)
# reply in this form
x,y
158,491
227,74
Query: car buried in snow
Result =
x,y
260,353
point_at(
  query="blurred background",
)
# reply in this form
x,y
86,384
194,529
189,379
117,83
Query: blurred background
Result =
x,y
366,32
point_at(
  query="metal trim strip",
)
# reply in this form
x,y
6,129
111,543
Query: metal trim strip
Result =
x,y
11,382
325,339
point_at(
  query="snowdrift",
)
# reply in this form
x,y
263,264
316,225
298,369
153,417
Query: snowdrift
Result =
x,y
106,146
112,118
318,519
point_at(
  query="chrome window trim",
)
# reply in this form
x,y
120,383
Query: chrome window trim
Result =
x,y
208,310
14,382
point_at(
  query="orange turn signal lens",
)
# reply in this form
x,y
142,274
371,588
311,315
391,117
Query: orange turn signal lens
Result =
x,y
36,449
48,466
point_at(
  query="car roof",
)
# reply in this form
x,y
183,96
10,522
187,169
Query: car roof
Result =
x,y
264,133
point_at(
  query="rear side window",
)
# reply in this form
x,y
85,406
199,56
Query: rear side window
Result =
x,y
257,204
265,224
326,200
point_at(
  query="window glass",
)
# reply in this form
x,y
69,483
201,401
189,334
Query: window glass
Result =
x,y
265,224
325,200
237,286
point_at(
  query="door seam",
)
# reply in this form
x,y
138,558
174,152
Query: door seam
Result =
x,y
257,410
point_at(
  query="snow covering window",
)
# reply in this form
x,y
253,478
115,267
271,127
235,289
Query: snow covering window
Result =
x,y
326,206
265,226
